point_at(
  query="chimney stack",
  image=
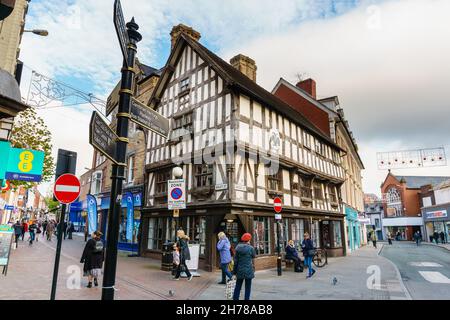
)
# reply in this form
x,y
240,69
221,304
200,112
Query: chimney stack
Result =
x,y
309,85
181,28
245,65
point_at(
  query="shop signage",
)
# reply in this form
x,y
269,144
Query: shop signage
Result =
x,y
176,194
436,214
130,215
92,213
121,30
21,164
364,221
240,188
8,207
220,187
102,137
148,118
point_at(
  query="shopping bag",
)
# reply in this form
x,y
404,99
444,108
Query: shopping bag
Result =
x,y
229,291
231,266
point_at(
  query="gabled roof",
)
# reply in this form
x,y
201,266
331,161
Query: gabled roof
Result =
x,y
236,79
415,182
305,95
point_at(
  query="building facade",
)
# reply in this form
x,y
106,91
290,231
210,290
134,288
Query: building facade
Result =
x,y
239,147
402,208
11,30
327,115
435,207
374,211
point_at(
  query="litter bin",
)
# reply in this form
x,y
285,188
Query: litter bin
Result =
x,y
167,257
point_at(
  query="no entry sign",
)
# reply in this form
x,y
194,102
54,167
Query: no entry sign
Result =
x,y
67,188
277,205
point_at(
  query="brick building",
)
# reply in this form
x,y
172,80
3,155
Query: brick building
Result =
x,y
402,205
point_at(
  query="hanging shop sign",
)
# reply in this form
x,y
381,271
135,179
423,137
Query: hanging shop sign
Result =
x,y
21,164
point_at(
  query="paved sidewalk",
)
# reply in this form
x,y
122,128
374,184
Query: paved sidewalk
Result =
x,y
442,245
31,270
351,273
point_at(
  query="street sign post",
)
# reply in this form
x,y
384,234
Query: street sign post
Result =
x,y
149,118
121,30
176,194
102,137
67,189
278,207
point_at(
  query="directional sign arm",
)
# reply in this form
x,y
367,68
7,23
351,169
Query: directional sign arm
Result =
x,y
149,118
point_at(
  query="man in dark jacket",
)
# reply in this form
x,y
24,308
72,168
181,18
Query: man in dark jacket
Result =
x,y
17,232
436,237
442,235
32,230
292,254
308,252
244,268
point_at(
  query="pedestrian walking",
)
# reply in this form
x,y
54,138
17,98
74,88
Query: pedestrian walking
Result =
x,y
24,229
224,248
93,257
398,236
38,231
32,230
442,235
389,237
70,230
182,245
50,230
17,232
417,237
308,252
292,254
244,267
44,227
374,239
436,237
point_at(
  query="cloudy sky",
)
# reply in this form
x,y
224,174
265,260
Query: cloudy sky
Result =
x,y
388,61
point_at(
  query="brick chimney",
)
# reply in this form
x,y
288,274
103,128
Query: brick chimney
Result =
x,y
245,65
181,28
309,85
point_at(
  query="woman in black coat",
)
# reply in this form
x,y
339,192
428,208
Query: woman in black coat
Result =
x,y
183,249
93,257
308,252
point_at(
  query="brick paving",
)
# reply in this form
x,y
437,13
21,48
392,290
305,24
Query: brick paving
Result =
x,y
351,274
31,270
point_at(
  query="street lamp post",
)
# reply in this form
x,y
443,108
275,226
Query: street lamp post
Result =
x,y
39,32
118,170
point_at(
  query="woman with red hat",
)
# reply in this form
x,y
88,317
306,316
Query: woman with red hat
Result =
x,y
243,266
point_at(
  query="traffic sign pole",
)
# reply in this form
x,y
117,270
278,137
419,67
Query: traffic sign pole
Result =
x,y
278,207
118,170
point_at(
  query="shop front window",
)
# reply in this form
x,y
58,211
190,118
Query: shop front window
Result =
x,y
315,234
283,234
155,233
195,228
297,231
337,237
261,238
123,226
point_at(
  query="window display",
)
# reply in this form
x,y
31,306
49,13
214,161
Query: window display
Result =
x,y
261,237
337,237
297,231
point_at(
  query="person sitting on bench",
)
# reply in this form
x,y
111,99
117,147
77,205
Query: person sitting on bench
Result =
x,y
292,254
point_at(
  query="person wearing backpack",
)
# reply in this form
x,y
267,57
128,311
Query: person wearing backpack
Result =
x,y
93,257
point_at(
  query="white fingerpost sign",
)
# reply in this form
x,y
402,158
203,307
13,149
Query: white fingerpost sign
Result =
x,y
176,194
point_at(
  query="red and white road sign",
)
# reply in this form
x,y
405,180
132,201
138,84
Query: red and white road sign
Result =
x,y
277,205
67,188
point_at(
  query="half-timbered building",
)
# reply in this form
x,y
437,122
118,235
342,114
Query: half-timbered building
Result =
x,y
239,147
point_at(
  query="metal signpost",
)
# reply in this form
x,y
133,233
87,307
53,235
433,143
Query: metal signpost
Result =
x,y
102,137
121,30
148,118
278,207
66,190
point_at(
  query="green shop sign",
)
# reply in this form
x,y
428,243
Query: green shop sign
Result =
x,y
20,164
